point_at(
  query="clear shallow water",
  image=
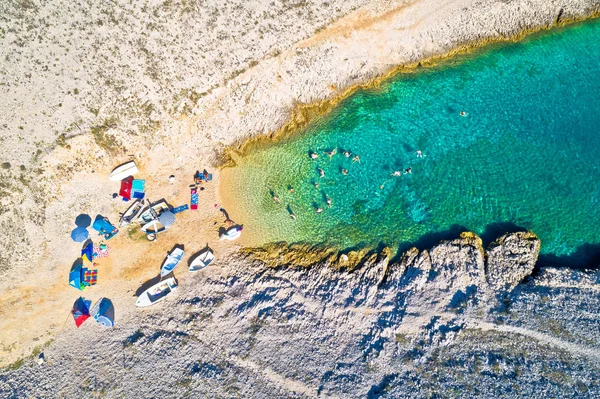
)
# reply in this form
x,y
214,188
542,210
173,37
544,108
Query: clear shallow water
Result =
x,y
527,154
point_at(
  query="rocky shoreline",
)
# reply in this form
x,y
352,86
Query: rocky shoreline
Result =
x,y
433,323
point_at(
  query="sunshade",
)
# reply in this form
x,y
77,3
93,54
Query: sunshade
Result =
x,y
76,275
81,310
167,218
104,312
79,234
83,220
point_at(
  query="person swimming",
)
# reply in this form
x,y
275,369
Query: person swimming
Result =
x,y
419,154
463,113
407,171
277,200
316,185
397,173
347,154
356,159
313,155
319,210
321,172
293,216
328,201
344,171
291,189
332,153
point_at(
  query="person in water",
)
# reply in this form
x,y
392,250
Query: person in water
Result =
x,y
463,113
328,201
344,171
276,199
407,171
319,210
397,173
356,159
293,215
332,153
321,172
291,189
419,154
313,155
316,185
347,154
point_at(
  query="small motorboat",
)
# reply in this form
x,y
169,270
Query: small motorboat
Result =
x,y
203,259
157,293
130,214
123,171
232,234
171,261
152,211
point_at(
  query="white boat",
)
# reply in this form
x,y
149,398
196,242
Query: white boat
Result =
x,y
171,262
232,234
131,212
157,292
203,259
153,227
122,171
151,212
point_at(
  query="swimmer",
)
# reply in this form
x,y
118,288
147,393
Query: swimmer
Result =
x,y
347,154
407,171
344,171
463,113
397,173
356,159
313,155
321,172
332,153
277,200
293,216
419,154
328,201
319,210
291,189
316,185
381,187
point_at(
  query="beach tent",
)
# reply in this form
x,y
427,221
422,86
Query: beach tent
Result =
x,y
79,234
103,226
87,252
81,311
125,190
104,312
76,275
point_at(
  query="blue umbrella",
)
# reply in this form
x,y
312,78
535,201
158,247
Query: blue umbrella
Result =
x,y
83,220
79,234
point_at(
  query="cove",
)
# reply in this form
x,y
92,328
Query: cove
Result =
x,y
526,154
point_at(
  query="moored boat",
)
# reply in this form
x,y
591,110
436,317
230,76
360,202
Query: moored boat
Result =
x,y
157,293
130,214
171,261
203,259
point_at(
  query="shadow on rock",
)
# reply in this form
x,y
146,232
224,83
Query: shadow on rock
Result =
x,y
495,230
586,256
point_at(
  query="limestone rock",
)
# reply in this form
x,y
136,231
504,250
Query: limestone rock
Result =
x,y
511,258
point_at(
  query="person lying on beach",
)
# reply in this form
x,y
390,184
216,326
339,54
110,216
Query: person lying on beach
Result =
x,y
356,159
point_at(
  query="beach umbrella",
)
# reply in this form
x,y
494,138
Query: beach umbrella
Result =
x,y
83,220
167,218
79,234
81,310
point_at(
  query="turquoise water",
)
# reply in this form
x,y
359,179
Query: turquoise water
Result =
x,y
526,154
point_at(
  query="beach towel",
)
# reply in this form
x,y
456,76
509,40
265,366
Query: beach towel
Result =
x,y
194,199
181,208
100,252
125,190
90,276
137,188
